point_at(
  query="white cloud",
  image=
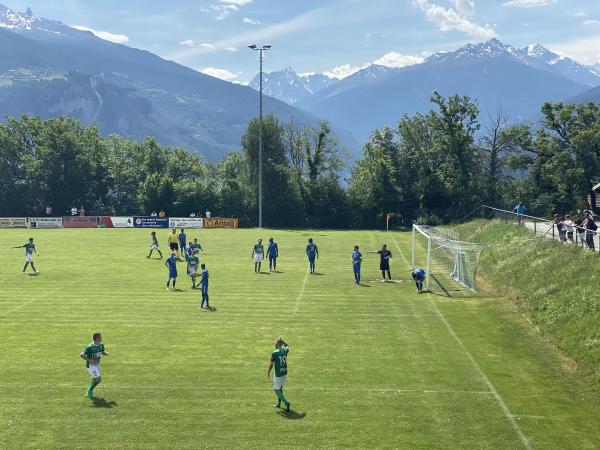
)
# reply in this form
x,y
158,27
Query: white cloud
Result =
x,y
231,49
448,19
206,45
584,50
343,71
466,7
236,2
591,22
250,21
112,37
223,10
393,59
187,43
223,74
528,3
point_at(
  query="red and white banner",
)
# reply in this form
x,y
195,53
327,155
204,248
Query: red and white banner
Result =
x,y
80,222
117,222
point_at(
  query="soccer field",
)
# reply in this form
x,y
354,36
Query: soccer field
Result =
x,y
370,366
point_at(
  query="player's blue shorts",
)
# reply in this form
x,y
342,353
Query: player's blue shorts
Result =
x,y
204,288
356,267
312,256
172,274
272,258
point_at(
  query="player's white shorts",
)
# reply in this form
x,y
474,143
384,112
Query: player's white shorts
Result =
x,y
29,258
279,382
94,371
258,257
154,247
192,271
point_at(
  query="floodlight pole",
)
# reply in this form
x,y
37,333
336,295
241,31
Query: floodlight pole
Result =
x,y
260,131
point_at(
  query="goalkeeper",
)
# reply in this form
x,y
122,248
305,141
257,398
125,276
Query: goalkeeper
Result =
x,y
418,275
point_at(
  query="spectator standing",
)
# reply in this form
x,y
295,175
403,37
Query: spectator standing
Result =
x,y
153,214
590,230
162,214
81,211
520,210
48,210
193,215
580,231
570,226
74,211
560,226
207,214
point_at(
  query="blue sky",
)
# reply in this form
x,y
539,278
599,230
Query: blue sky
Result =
x,y
335,37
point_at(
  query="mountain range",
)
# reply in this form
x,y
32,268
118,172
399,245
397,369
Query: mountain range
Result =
x,y
48,69
495,75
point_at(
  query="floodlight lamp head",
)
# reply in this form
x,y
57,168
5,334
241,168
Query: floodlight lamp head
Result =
x,y
267,47
253,46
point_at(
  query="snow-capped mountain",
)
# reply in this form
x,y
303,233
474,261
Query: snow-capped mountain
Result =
x,y
533,55
50,69
288,86
494,75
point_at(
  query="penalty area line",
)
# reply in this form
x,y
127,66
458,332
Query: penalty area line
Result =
x,y
499,400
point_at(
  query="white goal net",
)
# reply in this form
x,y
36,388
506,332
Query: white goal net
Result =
x,y
441,253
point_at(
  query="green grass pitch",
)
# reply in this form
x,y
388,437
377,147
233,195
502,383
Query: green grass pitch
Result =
x,y
369,367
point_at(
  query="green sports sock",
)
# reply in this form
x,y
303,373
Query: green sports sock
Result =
x,y
281,397
92,385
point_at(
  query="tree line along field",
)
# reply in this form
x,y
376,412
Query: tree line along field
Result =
x,y
370,367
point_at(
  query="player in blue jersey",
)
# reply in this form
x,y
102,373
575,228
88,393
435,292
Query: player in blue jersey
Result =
x,y
171,264
356,262
272,253
182,242
418,275
312,251
204,285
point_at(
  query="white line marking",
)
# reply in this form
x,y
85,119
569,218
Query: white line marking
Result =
x,y
22,305
477,367
244,388
300,295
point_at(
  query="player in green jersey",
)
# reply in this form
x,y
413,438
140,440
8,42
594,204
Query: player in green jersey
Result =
x,y
279,360
91,354
196,247
154,246
258,253
29,250
192,267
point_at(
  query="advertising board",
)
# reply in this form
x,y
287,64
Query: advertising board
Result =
x,y
13,222
217,222
119,222
80,222
185,222
44,222
150,222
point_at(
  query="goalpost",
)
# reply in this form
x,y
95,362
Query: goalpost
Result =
x,y
440,252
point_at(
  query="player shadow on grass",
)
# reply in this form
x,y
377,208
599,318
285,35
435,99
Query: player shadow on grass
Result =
x,y
35,274
210,308
318,273
292,415
99,402
361,284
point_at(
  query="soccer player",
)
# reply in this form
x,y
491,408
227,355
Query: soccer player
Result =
x,y
384,262
418,275
182,242
192,267
171,264
92,354
29,250
356,262
196,247
312,252
173,240
279,360
154,246
272,253
258,252
204,285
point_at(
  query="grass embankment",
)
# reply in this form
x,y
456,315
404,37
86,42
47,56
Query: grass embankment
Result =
x,y
555,285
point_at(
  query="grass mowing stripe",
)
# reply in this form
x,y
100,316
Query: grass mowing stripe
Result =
x,y
478,368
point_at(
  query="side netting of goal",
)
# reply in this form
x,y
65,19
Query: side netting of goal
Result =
x,y
441,253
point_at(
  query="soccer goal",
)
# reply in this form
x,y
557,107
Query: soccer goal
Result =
x,y
441,253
